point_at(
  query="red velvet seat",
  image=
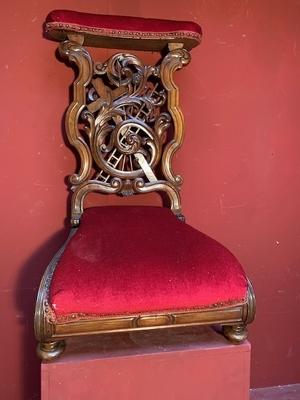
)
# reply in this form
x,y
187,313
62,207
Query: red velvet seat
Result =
x,y
128,32
142,259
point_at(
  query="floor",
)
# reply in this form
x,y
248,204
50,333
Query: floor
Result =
x,y
288,392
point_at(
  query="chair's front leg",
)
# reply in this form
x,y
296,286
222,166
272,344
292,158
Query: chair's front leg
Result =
x,y
47,351
236,333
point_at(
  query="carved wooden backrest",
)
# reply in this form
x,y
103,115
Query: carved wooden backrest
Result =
x,y
125,123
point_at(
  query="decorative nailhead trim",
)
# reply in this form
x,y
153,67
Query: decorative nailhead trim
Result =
x,y
50,26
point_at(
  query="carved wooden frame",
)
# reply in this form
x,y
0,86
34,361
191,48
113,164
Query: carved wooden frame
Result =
x,y
79,111
51,333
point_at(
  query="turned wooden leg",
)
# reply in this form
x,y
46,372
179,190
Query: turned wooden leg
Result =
x,y
235,333
48,351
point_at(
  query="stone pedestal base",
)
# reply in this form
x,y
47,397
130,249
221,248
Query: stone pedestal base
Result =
x,y
173,364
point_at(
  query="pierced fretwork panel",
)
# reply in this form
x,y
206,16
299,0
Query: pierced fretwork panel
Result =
x,y
118,123
125,121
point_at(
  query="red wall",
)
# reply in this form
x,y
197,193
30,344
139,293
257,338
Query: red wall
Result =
x,y
240,161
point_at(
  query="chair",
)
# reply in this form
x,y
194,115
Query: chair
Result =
x,y
127,268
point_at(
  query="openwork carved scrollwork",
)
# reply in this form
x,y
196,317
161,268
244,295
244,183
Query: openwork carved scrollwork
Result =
x,y
123,117
118,122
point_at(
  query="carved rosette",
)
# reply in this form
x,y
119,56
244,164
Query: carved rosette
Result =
x,y
118,123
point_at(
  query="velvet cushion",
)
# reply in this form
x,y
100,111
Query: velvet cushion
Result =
x,y
142,259
96,28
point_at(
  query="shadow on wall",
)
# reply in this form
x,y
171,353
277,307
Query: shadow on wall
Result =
x,y
31,274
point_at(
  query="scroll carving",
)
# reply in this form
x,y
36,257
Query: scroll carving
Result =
x,y
174,60
118,123
77,54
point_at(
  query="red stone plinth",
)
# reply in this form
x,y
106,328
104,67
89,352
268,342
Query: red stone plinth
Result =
x,y
174,364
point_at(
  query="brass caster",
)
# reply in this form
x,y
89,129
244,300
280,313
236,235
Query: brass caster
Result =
x,y
48,351
235,333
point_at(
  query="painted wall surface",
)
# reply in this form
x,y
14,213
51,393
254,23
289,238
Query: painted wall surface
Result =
x,y
240,161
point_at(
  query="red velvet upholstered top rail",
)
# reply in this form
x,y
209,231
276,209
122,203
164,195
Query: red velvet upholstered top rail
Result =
x,y
130,32
142,259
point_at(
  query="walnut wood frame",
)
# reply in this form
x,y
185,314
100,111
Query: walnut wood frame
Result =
x,y
51,333
161,151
